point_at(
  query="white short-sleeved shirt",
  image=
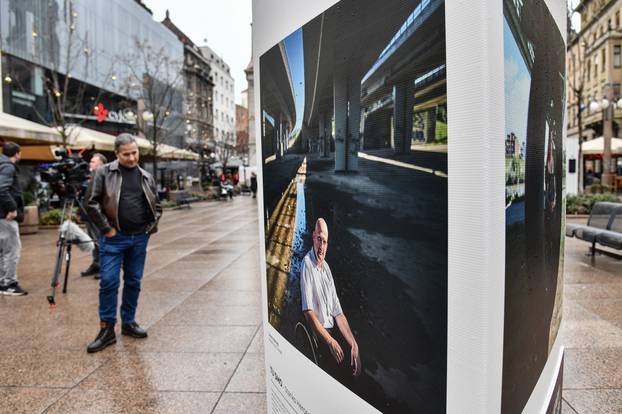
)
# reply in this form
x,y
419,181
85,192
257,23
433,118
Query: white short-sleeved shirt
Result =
x,y
317,291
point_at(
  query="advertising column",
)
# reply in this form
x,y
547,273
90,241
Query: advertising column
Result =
x,y
411,259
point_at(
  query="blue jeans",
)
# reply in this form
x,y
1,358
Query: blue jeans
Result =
x,y
129,252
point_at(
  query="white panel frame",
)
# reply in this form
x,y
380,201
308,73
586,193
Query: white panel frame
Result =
x,y
476,170
476,214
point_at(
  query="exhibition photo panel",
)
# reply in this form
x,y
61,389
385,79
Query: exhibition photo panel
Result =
x,y
353,123
534,213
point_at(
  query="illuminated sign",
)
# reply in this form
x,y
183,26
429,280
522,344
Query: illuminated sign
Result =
x,y
101,112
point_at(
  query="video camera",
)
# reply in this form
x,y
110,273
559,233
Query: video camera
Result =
x,y
67,174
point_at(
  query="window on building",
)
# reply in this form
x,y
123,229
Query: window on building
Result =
x,y
589,69
616,89
617,50
618,19
602,59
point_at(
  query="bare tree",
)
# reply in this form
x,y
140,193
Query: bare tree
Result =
x,y
225,149
67,54
155,81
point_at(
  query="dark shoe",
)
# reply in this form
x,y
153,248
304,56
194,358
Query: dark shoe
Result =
x,y
92,270
97,277
133,330
104,338
12,290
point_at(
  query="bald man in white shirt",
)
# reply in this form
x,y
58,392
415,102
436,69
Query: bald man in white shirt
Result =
x,y
321,306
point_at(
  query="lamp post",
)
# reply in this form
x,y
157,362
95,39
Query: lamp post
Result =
x,y
607,105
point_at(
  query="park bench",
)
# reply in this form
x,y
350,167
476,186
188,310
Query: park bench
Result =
x,y
604,227
182,198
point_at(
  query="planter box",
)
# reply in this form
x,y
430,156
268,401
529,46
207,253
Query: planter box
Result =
x,y
31,220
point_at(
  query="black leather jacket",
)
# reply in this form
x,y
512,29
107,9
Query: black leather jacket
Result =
x,y
10,191
102,199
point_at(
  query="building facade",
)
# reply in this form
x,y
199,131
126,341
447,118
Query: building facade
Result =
x,y
250,98
199,90
223,98
88,49
241,132
594,63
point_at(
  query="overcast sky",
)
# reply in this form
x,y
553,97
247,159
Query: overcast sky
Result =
x,y
225,24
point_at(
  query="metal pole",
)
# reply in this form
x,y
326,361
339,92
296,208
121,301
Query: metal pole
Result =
x,y
1,82
608,113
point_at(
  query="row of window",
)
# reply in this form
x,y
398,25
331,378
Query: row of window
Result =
x,y
602,57
229,103
219,115
220,79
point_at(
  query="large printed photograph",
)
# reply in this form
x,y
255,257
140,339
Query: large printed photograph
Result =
x,y
354,166
534,73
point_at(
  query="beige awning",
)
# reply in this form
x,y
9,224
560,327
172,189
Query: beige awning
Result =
x,y
82,137
596,146
173,153
23,131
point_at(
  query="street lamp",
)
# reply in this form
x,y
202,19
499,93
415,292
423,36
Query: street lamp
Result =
x,y
147,116
608,105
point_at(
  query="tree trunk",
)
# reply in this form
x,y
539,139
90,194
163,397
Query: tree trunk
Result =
x,y
155,151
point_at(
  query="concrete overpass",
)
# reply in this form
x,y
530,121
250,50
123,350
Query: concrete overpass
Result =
x,y
400,40
277,101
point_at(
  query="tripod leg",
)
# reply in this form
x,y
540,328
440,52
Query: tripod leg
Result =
x,y
57,269
67,266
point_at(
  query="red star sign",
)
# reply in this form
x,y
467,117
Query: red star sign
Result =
x,y
101,112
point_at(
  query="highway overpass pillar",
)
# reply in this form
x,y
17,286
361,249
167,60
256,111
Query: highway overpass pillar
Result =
x,y
404,98
340,105
354,122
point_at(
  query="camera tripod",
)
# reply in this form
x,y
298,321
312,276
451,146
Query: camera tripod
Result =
x,y
64,245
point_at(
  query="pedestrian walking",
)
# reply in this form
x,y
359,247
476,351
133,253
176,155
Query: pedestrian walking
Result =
x,y
254,184
124,205
97,161
11,213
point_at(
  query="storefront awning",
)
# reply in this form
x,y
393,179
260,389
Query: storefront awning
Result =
x,y
90,139
23,131
173,153
596,146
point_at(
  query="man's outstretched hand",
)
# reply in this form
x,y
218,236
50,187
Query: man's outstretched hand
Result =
x,y
336,350
355,361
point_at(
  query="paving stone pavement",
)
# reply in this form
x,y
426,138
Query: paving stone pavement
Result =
x,y
202,304
592,332
200,301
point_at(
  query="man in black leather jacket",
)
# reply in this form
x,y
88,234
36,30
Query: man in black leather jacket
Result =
x,y
11,212
123,203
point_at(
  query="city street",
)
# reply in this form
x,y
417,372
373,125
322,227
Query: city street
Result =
x,y
200,301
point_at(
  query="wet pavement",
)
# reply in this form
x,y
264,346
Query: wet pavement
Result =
x,y
200,301
591,331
